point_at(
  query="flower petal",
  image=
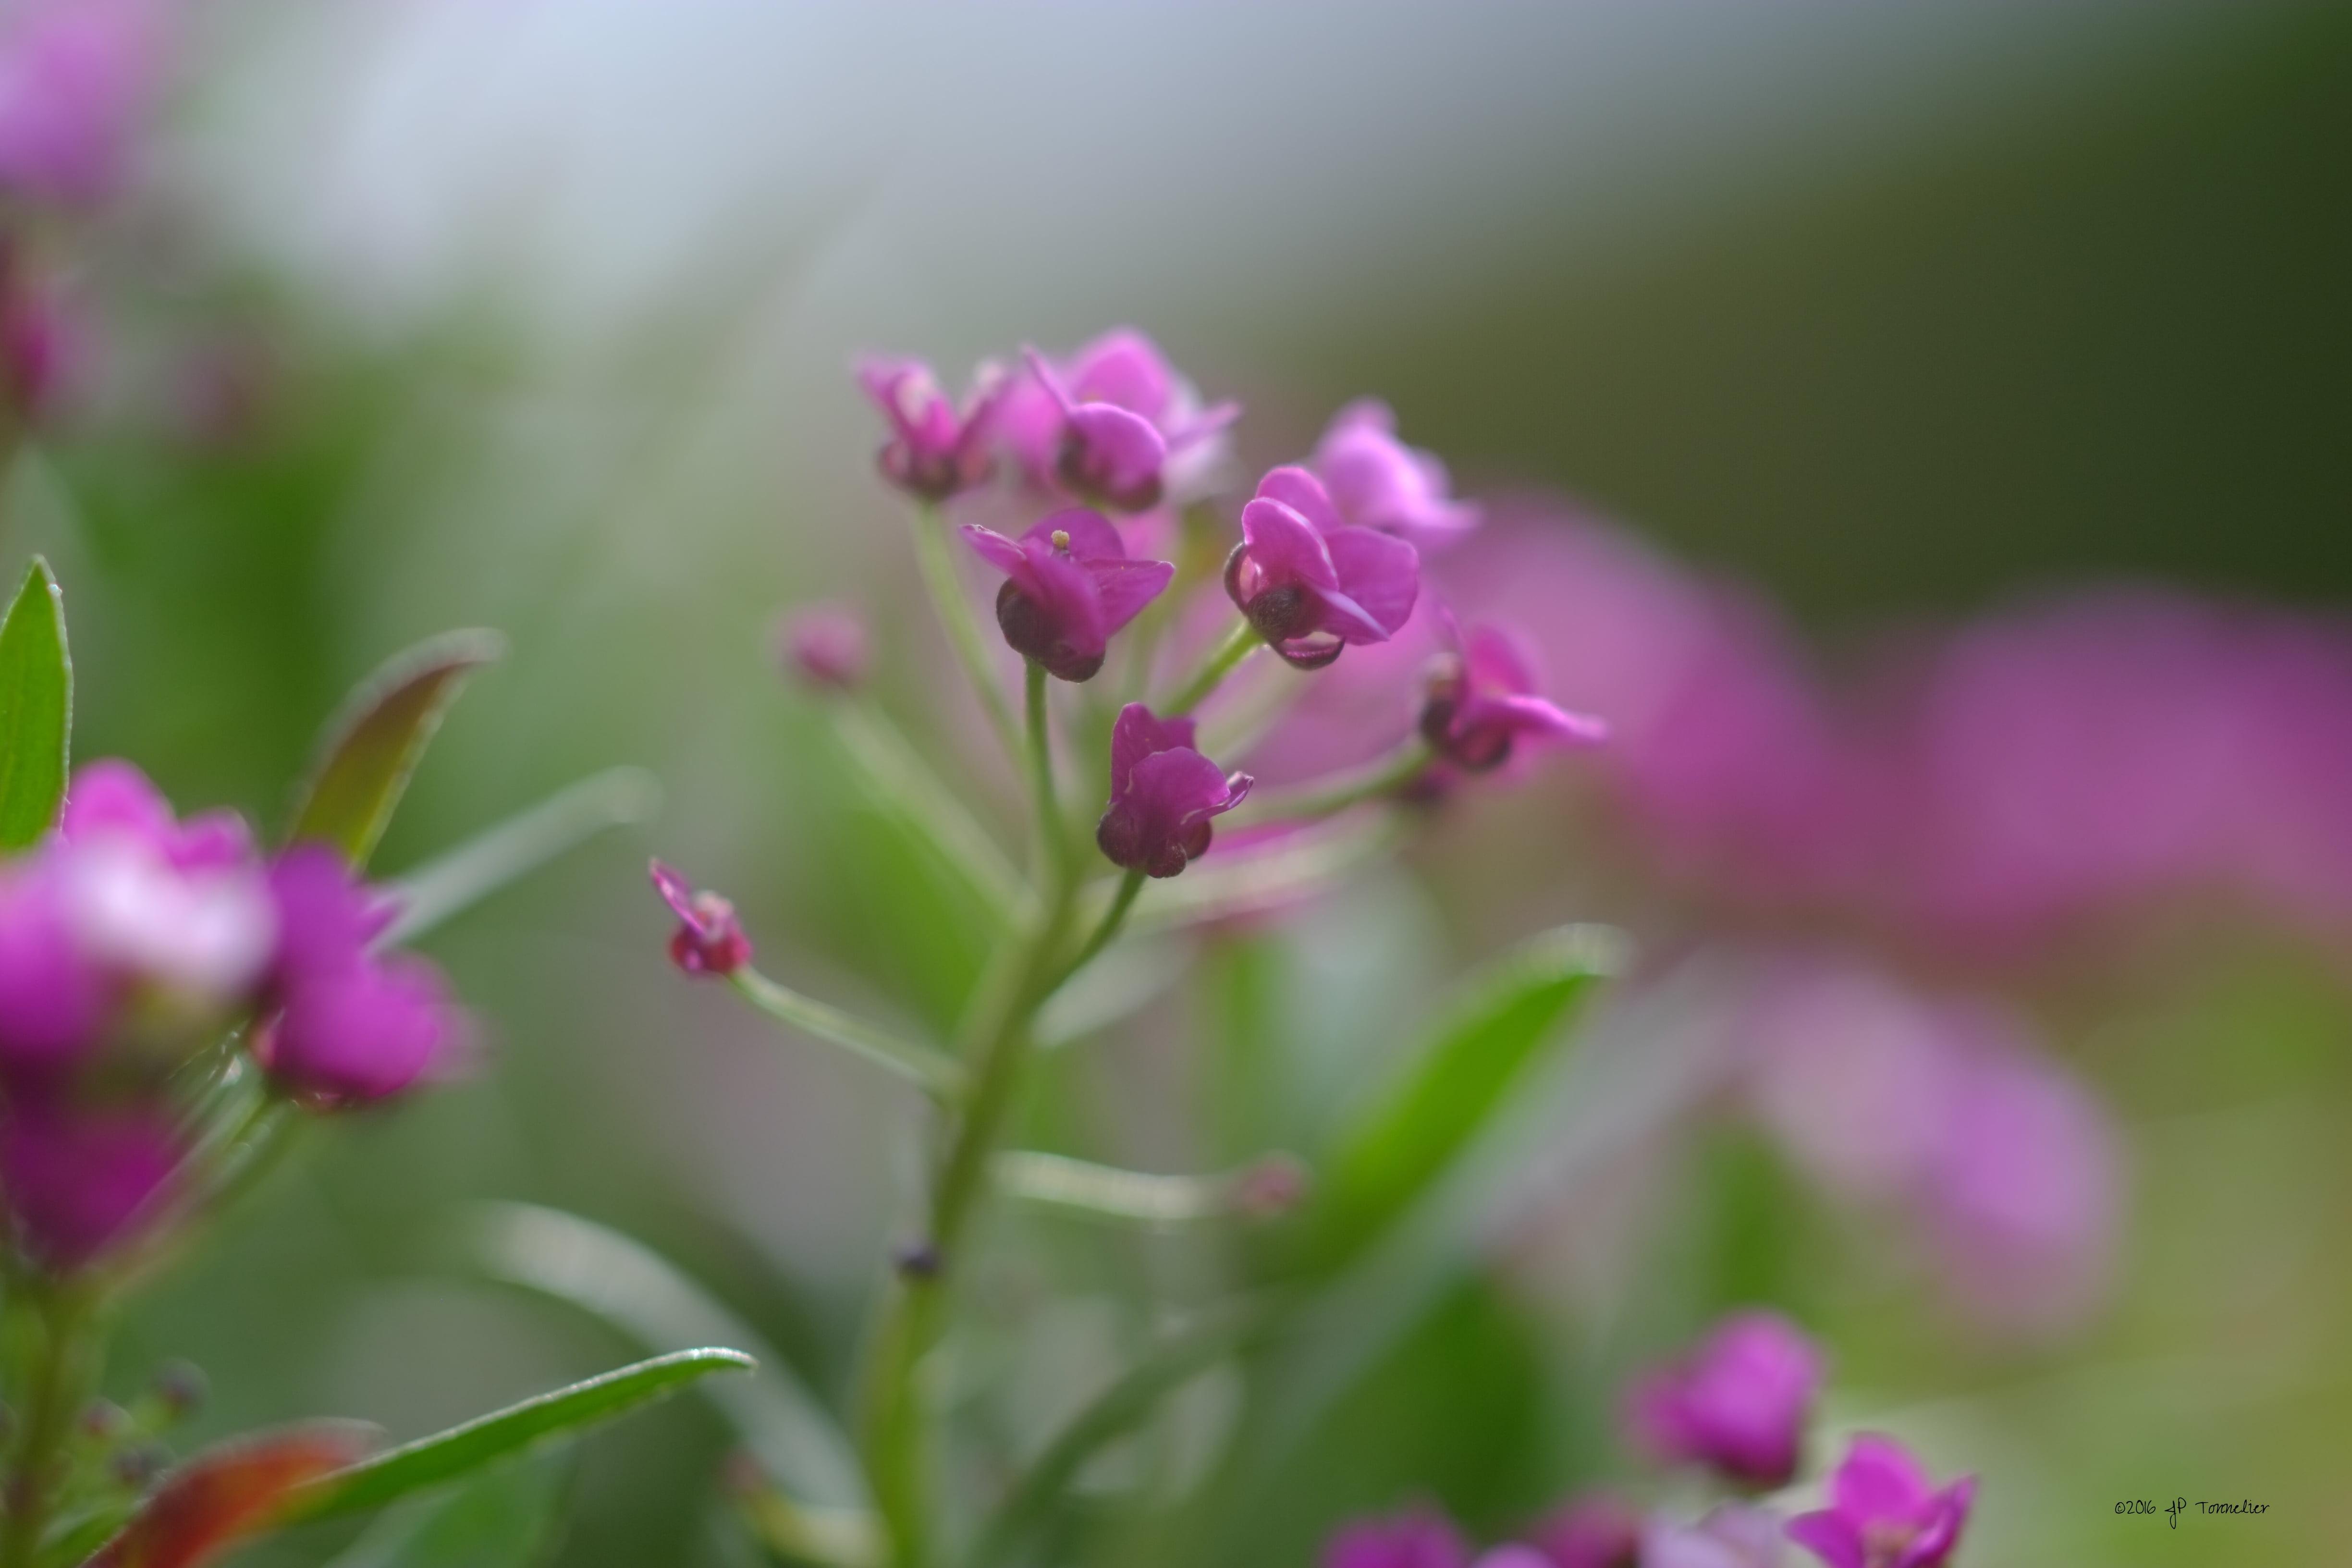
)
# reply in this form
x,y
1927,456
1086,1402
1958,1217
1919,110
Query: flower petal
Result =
x,y
1830,1536
1005,555
1124,587
1880,1479
1125,367
1136,734
1303,494
1284,548
1092,536
1380,571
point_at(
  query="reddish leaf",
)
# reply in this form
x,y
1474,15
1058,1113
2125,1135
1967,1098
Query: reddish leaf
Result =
x,y
230,1493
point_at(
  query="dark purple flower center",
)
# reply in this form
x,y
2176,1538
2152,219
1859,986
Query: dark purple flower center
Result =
x,y
1035,633
1093,474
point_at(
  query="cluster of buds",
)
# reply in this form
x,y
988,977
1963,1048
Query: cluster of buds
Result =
x,y
1737,1407
133,947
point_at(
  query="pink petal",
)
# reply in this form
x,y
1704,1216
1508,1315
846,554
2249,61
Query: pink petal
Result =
x,y
1093,537
1880,1479
1303,494
1066,592
1377,570
1123,448
1124,587
1284,548
1536,716
1125,367
1830,1536
1499,662
677,893
1005,555
1137,734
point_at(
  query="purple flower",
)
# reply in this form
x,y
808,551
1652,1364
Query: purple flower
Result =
x,y
74,76
1162,794
351,1026
1311,585
111,797
1737,1404
1596,1531
1731,1536
54,998
1113,424
709,939
936,449
1068,589
77,1181
825,645
1378,482
1415,1538
1482,700
1885,1512
41,343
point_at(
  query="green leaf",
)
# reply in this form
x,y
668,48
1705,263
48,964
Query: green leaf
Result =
x,y
374,743
458,878
640,1293
228,1493
36,709
428,1461
505,1517
1409,1133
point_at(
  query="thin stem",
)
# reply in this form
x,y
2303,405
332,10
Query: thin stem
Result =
x,y
1105,928
897,774
1106,1191
1239,644
962,627
1376,780
1053,841
59,1374
934,1072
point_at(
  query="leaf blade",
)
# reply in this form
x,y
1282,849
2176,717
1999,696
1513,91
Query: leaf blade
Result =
x,y
376,740
36,709
445,1456
507,1515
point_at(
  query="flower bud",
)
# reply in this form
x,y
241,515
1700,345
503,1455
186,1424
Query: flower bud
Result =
x,y
709,939
825,646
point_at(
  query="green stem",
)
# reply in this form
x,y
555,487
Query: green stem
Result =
x,y
1106,929
964,630
1376,780
60,1375
897,772
934,1072
1239,644
1053,843
1106,1192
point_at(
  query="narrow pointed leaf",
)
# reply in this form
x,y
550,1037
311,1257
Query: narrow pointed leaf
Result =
x,y
505,1517
454,881
1406,1136
228,1494
36,709
374,744
428,1461
636,1290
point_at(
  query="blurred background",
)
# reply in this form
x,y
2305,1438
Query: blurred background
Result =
x,y
1967,383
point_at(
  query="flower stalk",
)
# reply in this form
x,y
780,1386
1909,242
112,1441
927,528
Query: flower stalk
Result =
x,y
963,631
1223,660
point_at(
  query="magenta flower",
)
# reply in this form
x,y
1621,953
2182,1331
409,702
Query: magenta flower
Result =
x,y
1885,1512
1068,589
1729,1537
936,449
825,645
79,1180
111,797
1738,1404
1481,701
1311,585
53,998
1596,1531
1113,424
74,75
709,939
1377,481
351,1026
1415,1538
41,343
1163,794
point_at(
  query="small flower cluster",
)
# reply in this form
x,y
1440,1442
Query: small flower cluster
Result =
x,y
133,945
1737,1406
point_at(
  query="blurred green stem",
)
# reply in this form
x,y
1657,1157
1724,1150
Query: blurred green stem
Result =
x,y
1052,840
1239,644
933,1072
60,1375
962,627
1106,929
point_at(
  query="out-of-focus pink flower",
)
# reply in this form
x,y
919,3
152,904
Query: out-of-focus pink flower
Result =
x,y
41,346
1731,1536
1511,1554
825,646
1377,481
936,448
53,996
75,77
1483,700
1113,424
1414,1538
1597,1531
76,1181
1068,589
709,939
1163,794
1737,1404
110,797
1944,1113
351,1026
1885,1512
1309,584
